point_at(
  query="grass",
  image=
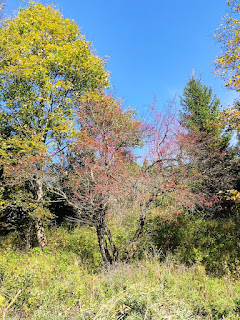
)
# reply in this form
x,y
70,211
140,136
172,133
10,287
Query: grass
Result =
x,y
56,284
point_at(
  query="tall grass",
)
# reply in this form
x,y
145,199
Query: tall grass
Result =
x,y
56,284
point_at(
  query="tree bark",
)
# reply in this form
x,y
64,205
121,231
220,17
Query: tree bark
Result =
x,y
133,245
102,247
39,222
107,247
40,233
134,242
114,251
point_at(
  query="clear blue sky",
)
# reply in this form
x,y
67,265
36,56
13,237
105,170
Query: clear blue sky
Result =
x,y
153,45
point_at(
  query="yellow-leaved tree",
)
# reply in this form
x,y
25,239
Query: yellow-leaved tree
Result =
x,y
228,35
46,65
228,67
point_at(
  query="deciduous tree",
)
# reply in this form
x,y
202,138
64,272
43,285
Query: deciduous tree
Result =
x,y
165,184
46,65
98,169
227,65
228,35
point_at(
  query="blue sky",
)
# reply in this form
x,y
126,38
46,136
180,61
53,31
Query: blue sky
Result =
x,y
152,45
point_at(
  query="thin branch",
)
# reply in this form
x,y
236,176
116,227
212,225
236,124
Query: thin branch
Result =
x,y
10,304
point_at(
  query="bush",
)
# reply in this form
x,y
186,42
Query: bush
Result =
x,y
215,243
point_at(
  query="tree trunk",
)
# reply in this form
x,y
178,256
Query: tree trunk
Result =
x,y
134,242
114,251
39,224
40,233
105,255
142,219
107,247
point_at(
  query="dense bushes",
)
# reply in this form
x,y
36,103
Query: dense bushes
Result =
x,y
214,243
190,239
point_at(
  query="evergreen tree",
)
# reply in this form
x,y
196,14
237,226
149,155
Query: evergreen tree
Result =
x,y
201,109
214,159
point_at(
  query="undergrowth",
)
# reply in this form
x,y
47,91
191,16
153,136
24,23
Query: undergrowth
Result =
x,y
57,284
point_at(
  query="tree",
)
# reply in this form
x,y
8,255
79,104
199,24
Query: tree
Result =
x,y
231,117
228,36
165,183
227,65
215,159
46,65
98,168
200,106
201,110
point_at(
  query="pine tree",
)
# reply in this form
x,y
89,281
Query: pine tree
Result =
x,y
200,115
214,158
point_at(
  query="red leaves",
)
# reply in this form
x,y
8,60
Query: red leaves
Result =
x,y
104,146
167,179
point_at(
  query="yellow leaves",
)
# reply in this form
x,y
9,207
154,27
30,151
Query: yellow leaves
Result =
x,y
40,42
2,302
231,117
46,65
233,195
41,212
228,36
22,146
